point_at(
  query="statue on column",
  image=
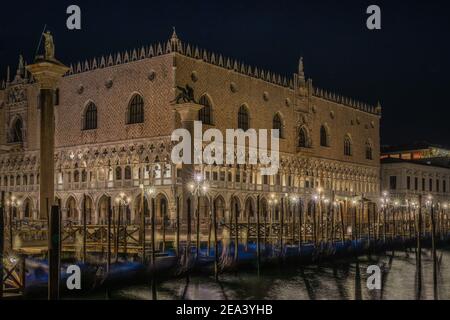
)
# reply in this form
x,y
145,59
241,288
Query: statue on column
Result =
x,y
49,46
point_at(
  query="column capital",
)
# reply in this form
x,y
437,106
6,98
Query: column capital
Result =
x,y
47,72
188,111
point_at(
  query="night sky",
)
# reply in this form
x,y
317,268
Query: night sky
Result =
x,y
406,65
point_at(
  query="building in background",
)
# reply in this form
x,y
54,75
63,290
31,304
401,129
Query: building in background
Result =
x,y
115,115
418,169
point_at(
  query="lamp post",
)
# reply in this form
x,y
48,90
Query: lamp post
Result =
x,y
122,201
273,202
198,187
13,203
150,191
384,207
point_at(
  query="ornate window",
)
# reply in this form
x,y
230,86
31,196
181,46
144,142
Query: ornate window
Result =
x,y
369,151
90,117
243,118
347,146
136,110
324,138
278,124
303,138
118,173
127,173
76,176
205,114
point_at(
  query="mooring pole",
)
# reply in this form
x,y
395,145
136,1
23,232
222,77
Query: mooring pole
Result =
x,y
153,234
216,246
419,234
163,209
109,218
300,225
187,252
177,238
119,207
2,243
341,211
236,232
433,248
257,232
142,227
209,225
197,249
10,225
84,228
282,227
54,247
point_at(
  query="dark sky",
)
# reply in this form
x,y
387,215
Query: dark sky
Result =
x,y
405,65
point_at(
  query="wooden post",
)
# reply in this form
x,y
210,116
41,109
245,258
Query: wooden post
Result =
x,y
341,211
142,226
11,236
84,228
209,225
189,230
163,209
108,253
433,248
282,227
257,232
314,223
419,234
2,243
236,233
197,246
300,225
54,250
216,245
333,217
119,207
177,239
153,234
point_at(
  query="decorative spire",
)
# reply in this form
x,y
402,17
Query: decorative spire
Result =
x,y
20,66
7,74
378,108
301,69
174,35
174,41
301,72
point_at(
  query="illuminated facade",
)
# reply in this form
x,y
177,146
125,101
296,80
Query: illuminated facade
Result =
x,y
115,114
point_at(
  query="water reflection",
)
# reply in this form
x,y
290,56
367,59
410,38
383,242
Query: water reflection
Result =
x,y
343,280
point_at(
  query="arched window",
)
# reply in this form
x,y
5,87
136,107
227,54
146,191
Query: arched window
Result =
x,y
90,117
205,114
136,110
76,176
243,118
16,131
347,146
127,173
118,173
83,176
303,138
278,124
369,151
324,139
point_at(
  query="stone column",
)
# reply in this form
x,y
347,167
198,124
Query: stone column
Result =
x,y
47,72
189,114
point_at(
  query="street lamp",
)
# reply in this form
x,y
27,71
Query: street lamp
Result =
x,y
13,203
198,187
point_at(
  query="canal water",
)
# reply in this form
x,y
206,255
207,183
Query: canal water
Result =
x,y
340,280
